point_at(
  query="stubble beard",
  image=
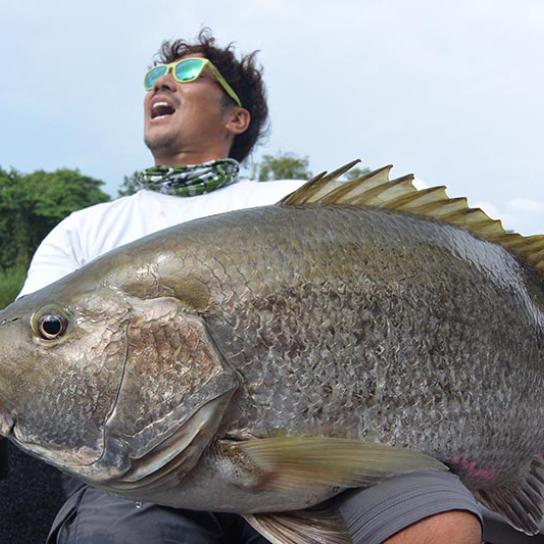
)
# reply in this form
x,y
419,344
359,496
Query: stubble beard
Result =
x,y
161,145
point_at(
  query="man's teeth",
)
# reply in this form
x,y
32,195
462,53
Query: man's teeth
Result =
x,y
161,109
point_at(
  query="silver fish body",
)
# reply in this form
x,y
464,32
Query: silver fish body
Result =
x,y
323,321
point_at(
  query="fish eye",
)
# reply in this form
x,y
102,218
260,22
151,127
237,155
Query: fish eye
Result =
x,y
52,326
50,323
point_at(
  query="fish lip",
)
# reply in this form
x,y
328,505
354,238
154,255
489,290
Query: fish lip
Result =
x,y
7,422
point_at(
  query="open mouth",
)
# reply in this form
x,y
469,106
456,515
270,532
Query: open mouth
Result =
x,y
161,109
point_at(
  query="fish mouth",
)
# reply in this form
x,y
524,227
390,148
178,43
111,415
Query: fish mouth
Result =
x,y
7,423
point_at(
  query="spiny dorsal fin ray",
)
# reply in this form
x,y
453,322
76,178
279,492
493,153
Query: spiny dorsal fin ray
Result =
x,y
435,196
306,193
313,186
382,195
533,243
440,208
349,191
376,189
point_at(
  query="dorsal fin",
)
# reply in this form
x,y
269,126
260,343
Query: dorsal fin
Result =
x,y
376,189
311,191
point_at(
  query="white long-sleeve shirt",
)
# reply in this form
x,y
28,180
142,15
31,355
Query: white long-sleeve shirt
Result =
x,y
88,233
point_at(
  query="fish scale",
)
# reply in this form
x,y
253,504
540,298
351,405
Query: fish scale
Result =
x,y
398,415
261,361
256,326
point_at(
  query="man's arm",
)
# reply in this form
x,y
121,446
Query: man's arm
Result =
x,y
427,507
454,527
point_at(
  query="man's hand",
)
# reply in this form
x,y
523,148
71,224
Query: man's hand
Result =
x,y
455,527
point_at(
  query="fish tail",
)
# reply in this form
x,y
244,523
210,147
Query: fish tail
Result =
x,y
523,504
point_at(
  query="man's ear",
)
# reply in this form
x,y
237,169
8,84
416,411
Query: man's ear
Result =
x,y
238,120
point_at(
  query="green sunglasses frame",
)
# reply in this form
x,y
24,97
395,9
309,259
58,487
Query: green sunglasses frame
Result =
x,y
171,67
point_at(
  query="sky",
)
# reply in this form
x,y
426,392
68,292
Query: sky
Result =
x,y
451,91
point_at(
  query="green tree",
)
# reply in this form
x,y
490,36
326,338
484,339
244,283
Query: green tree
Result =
x,y
282,166
31,205
130,185
11,282
356,172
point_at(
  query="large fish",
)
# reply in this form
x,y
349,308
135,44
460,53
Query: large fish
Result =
x,y
263,360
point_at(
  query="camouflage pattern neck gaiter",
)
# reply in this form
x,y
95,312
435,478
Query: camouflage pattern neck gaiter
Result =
x,y
191,179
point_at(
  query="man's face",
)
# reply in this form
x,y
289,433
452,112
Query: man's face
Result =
x,y
184,117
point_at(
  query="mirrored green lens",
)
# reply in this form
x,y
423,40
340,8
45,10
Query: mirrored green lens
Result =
x,y
154,74
188,70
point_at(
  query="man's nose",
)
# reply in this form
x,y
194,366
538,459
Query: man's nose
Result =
x,y
166,81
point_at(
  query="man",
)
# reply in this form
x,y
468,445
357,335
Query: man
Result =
x,y
204,112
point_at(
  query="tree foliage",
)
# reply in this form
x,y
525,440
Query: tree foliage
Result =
x,y
282,166
32,204
356,172
11,283
130,185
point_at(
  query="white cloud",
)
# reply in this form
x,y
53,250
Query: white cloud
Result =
x,y
509,221
420,184
489,208
526,205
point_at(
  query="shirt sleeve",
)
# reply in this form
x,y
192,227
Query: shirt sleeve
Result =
x,y
376,513
56,256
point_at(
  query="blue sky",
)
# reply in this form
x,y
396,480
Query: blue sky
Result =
x,y
450,90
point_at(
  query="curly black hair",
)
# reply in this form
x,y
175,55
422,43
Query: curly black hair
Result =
x,y
243,76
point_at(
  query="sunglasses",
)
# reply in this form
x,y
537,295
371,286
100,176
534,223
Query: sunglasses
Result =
x,y
185,71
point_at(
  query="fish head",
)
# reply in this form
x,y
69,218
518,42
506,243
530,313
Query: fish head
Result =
x,y
63,352
108,386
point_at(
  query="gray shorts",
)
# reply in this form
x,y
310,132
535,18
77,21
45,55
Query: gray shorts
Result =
x,y
373,515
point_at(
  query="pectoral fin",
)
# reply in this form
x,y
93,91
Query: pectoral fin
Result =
x,y
288,463
324,526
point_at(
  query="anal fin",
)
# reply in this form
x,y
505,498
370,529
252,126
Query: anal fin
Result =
x,y
523,505
320,526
